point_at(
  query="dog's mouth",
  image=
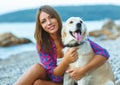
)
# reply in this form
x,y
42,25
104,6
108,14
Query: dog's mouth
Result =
x,y
77,35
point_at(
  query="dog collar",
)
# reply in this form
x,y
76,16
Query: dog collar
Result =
x,y
73,45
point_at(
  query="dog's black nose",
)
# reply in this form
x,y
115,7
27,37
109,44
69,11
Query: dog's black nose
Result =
x,y
78,25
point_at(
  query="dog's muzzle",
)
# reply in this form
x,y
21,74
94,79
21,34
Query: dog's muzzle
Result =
x,y
77,33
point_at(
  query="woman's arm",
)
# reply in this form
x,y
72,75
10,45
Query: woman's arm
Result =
x,y
49,62
98,50
78,73
101,55
97,61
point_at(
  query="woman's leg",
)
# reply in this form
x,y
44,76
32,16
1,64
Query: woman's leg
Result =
x,y
34,73
44,82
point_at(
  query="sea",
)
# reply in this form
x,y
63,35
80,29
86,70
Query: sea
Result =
x,y
26,30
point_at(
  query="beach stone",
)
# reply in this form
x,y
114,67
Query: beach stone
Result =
x,y
13,67
109,31
8,39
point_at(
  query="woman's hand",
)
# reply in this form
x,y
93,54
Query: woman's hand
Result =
x,y
71,55
76,73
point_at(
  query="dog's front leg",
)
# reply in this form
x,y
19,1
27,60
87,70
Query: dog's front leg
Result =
x,y
68,80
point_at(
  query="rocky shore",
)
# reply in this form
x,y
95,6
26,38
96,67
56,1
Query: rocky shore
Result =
x,y
12,68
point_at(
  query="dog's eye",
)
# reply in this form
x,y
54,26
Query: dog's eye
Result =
x,y
80,21
71,22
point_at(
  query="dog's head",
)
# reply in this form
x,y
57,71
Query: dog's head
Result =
x,y
74,31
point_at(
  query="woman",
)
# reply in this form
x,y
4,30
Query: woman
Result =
x,y
49,46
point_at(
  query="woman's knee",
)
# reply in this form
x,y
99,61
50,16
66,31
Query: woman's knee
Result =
x,y
45,82
37,65
38,82
39,70
35,72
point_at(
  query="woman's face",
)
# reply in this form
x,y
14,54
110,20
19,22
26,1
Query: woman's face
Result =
x,y
49,23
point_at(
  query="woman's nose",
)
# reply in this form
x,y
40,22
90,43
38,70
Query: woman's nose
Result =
x,y
49,21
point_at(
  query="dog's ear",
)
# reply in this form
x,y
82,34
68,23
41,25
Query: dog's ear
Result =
x,y
63,32
85,34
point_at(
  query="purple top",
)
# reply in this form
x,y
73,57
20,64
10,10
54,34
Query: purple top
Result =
x,y
49,59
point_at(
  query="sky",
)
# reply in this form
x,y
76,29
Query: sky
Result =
x,y
14,5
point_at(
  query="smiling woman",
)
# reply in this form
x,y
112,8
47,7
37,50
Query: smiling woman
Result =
x,y
48,35
28,58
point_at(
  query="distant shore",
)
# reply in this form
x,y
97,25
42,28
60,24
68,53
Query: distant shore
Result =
x,y
13,67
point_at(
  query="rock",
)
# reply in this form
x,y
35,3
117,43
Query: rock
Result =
x,y
8,39
108,31
96,33
109,24
118,27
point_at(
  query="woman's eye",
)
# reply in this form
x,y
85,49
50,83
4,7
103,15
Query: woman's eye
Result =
x,y
42,21
51,16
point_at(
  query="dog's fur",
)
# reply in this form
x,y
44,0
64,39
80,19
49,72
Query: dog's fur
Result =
x,y
102,75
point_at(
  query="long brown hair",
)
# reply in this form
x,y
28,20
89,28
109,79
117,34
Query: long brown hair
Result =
x,y
41,36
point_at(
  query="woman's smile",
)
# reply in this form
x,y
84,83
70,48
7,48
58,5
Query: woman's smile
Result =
x,y
51,27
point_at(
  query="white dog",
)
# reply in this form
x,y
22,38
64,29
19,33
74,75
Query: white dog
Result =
x,y
74,33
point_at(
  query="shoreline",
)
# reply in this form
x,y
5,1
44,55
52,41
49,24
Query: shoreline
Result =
x,y
14,66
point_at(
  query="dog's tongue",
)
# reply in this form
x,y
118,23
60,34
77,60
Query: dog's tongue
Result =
x,y
78,37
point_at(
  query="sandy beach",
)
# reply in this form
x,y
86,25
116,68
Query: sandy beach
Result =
x,y
13,67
